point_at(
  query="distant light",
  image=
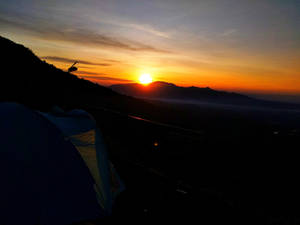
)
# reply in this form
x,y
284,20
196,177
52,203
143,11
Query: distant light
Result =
x,y
181,191
155,144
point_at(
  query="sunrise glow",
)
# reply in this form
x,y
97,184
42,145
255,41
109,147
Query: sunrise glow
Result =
x,y
145,79
187,43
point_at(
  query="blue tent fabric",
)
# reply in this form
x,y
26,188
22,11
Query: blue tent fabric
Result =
x,y
44,180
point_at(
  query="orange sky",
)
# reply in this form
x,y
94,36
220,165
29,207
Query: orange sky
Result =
x,y
248,47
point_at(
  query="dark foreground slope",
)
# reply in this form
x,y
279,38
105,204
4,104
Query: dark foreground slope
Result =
x,y
234,171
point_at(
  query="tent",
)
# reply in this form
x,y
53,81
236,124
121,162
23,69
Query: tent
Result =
x,y
54,168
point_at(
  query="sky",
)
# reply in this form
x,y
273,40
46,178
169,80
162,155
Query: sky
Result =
x,y
247,46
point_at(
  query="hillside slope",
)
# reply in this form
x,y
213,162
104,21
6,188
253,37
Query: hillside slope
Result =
x,y
28,80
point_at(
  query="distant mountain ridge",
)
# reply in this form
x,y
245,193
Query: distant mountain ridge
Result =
x,y
166,90
169,91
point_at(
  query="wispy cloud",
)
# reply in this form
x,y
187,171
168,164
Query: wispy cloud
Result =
x,y
229,32
83,72
147,29
141,27
99,76
68,60
78,35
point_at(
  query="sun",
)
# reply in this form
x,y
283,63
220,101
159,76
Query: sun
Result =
x,y
145,79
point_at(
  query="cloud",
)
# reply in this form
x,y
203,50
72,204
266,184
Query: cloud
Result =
x,y
77,35
68,60
145,28
83,72
99,76
131,24
229,32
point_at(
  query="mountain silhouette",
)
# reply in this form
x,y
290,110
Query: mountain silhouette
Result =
x,y
168,91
